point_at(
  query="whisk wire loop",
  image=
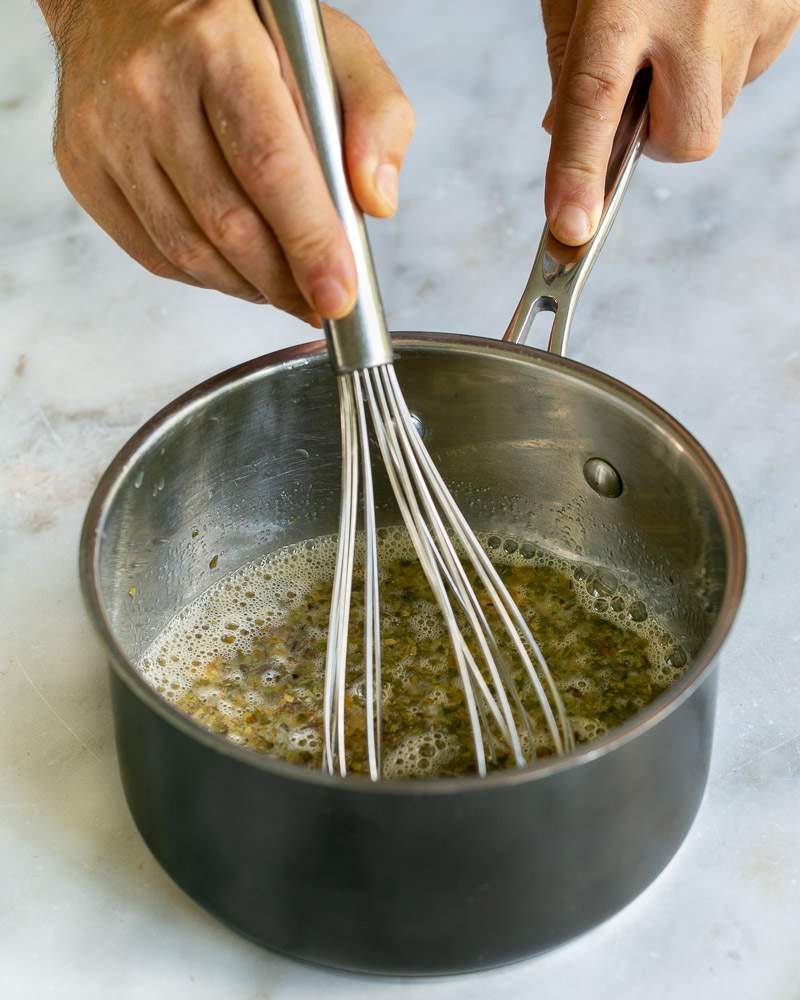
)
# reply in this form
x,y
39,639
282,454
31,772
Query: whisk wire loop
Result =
x,y
336,652
504,604
372,619
444,548
391,452
442,540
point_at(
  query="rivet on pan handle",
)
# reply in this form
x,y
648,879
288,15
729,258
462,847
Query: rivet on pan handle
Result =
x,y
559,271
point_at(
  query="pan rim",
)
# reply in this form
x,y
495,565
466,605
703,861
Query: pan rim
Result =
x,y
647,718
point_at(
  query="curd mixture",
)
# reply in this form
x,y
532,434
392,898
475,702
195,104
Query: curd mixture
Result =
x,y
247,658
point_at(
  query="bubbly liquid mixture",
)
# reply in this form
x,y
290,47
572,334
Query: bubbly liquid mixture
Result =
x,y
247,659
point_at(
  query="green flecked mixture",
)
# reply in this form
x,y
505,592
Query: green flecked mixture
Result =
x,y
269,696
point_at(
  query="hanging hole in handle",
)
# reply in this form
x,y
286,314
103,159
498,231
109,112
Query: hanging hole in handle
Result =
x,y
541,324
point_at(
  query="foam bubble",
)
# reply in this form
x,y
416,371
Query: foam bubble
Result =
x,y
420,754
230,619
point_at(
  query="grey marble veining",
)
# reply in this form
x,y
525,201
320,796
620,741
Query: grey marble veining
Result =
x,y
696,302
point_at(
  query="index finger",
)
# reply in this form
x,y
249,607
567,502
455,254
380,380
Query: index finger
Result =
x,y
603,54
259,131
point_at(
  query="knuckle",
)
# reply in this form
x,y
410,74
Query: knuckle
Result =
x,y
580,172
270,165
138,80
186,13
311,246
206,33
188,252
184,16
235,227
596,90
202,36
156,264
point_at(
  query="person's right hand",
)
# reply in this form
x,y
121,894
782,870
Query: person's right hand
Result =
x,y
176,132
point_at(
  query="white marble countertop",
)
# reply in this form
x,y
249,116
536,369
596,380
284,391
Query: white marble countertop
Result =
x,y
696,302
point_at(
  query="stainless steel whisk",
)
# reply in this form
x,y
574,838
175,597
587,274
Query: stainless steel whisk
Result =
x,y
370,394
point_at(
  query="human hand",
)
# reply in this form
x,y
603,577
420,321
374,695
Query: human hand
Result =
x,y
702,53
176,132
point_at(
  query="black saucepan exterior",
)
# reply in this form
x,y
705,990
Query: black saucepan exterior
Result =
x,y
412,877
412,883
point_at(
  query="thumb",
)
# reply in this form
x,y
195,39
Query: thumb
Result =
x,y
378,119
600,62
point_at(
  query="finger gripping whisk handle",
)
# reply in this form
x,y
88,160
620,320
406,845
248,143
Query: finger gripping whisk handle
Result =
x,y
361,339
559,272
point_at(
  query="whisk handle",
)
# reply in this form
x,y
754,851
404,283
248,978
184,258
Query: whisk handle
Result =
x,y
361,339
559,271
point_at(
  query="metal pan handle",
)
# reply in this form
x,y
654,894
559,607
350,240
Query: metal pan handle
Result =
x,y
559,271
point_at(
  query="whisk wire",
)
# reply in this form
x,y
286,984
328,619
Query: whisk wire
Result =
x,y
391,452
459,582
336,652
372,622
440,535
508,611
499,660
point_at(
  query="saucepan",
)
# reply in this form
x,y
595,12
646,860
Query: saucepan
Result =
x,y
420,876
